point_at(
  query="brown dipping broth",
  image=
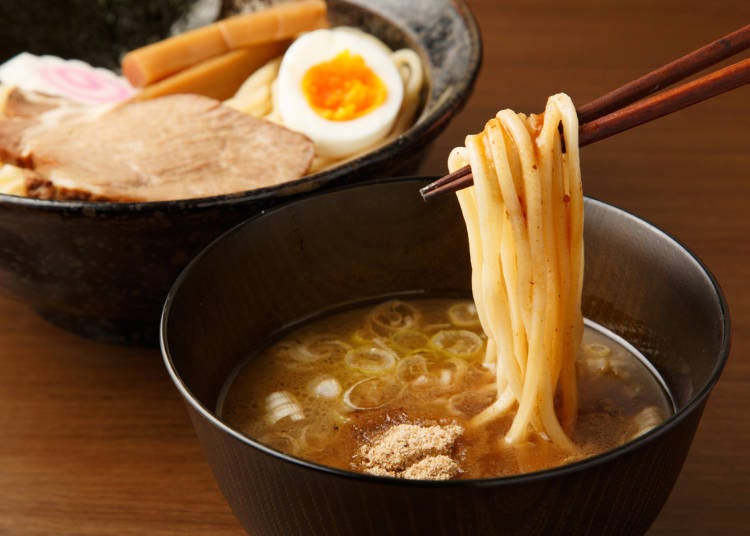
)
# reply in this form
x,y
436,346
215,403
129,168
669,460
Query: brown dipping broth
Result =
x,y
336,382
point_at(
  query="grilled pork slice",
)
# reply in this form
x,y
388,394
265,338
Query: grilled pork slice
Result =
x,y
174,147
24,111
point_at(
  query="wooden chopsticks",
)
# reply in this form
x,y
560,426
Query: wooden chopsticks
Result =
x,y
621,110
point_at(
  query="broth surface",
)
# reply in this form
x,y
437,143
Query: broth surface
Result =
x,y
338,382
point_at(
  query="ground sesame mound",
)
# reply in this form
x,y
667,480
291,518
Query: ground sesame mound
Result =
x,y
412,451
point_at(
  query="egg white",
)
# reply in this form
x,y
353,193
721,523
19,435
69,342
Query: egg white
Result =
x,y
337,139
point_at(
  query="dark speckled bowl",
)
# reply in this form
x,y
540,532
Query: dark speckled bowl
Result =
x,y
103,269
379,239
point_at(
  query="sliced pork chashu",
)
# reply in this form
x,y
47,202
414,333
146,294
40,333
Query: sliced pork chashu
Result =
x,y
22,112
174,147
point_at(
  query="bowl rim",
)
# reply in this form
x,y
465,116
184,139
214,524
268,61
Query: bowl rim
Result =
x,y
426,127
670,423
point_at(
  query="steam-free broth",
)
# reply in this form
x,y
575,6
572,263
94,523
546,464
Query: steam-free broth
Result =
x,y
339,382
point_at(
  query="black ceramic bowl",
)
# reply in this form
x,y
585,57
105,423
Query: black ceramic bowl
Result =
x,y
379,239
103,269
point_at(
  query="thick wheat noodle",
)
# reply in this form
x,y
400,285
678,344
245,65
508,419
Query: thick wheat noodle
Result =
x,y
490,212
412,73
556,270
524,217
514,254
485,281
467,200
573,189
535,368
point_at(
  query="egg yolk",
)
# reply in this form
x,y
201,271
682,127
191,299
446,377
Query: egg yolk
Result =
x,y
343,88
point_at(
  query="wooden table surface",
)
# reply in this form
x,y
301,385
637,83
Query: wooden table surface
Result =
x,y
94,438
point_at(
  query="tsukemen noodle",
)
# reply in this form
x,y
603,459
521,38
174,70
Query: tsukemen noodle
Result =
x,y
509,383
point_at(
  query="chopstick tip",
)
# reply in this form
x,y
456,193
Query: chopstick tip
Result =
x,y
426,191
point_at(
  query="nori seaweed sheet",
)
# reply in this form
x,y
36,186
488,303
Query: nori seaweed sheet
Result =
x,y
95,31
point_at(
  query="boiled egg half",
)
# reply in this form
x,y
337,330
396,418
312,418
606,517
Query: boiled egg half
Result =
x,y
341,88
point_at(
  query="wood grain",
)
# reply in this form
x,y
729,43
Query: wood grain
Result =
x,y
677,70
94,438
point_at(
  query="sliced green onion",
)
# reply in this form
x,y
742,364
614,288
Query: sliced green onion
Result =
x,y
429,354
318,435
434,328
280,441
372,393
408,340
370,359
325,387
316,348
362,336
457,342
282,404
464,315
645,420
440,377
392,316
596,349
454,369
411,367
446,376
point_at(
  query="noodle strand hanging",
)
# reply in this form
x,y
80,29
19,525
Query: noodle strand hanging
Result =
x,y
524,218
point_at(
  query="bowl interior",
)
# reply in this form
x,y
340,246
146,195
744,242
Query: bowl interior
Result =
x,y
381,239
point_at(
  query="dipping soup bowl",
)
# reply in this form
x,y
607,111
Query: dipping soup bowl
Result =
x,y
382,239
